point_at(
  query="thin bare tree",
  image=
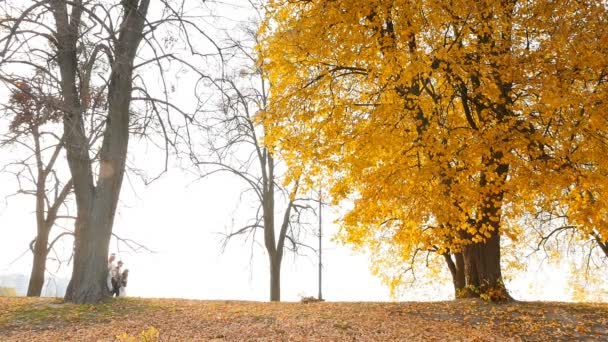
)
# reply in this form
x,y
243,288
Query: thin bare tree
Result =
x,y
32,114
235,146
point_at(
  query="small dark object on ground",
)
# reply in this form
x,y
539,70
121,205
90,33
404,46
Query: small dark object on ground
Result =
x,y
310,299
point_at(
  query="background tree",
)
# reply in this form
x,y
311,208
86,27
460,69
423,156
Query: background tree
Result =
x,y
235,145
32,113
86,45
445,122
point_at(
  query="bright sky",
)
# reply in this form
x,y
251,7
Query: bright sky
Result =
x,y
181,221
181,218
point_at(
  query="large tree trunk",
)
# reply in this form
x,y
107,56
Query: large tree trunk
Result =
x,y
471,277
96,203
93,232
89,275
36,282
483,275
275,279
95,221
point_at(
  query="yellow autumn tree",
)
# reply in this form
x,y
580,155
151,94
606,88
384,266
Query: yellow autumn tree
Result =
x,y
444,121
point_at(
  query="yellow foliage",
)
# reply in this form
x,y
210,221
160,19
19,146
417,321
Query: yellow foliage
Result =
x,y
150,334
443,122
586,286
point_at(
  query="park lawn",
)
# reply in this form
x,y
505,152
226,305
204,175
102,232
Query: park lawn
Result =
x,y
135,319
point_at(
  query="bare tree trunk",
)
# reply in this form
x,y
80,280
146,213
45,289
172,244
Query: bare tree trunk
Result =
x,y
603,245
96,203
274,246
39,266
95,221
40,249
42,233
269,235
88,282
456,267
94,231
275,278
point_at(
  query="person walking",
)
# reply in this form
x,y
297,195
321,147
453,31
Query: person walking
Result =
x,y
116,275
110,270
124,277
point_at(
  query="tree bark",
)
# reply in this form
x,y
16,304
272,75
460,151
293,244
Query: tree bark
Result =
x,y
96,203
36,282
456,267
483,274
603,245
482,270
471,276
95,229
43,224
88,283
275,279
274,246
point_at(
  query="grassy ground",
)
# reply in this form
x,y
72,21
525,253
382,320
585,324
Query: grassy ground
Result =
x,y
132,319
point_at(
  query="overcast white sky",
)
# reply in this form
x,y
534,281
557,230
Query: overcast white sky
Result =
x,y
181,219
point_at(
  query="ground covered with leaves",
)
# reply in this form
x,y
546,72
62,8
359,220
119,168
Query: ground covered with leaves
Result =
x,y
132,319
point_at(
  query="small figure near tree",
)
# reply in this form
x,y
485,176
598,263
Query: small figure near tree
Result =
x,y
110,269
122,291
116,279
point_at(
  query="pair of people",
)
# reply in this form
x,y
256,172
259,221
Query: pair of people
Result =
x,y
117,278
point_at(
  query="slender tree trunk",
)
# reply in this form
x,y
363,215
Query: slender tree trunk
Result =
x,y
40,249
471,277
603,245
46,212
275,279
39,266
459,279
274,248
456,267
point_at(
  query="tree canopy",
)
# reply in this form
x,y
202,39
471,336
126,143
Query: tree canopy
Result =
x,y
445,121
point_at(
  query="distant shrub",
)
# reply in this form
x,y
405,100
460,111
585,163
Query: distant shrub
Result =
x,y
8,292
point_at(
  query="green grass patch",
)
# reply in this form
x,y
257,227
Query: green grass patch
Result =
x,y
54,312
